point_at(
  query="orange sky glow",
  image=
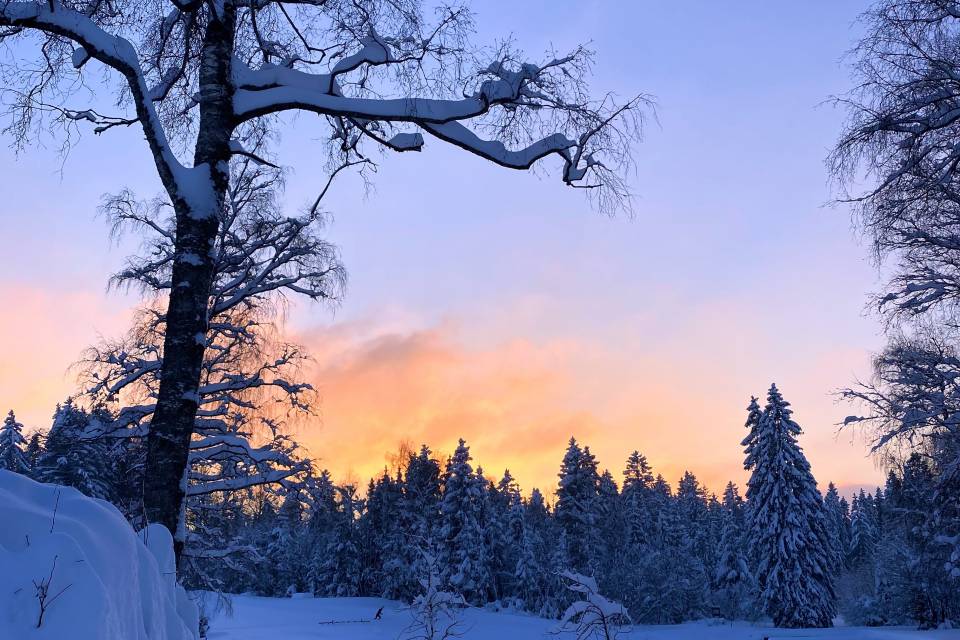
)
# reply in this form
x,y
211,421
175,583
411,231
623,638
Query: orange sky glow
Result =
x,y
516,400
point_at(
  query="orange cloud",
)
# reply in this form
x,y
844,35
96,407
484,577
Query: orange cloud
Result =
x,y
679,398
423,387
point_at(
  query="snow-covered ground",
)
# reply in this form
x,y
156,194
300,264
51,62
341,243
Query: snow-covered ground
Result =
x,y
71,568
300,619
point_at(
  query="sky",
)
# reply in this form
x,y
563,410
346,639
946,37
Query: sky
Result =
x,y
497,306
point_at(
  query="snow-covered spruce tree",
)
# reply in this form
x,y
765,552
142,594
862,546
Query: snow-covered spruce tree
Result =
x,y
576,509
837,526
923,595
491,575
382,534
752,424
195,75
506,533
248,378
591,616
614,579
694,516
863,531
285,549
460,536
419,516
634,543
539,563
637,484
733,581
786,529
339,569
13,456
73,456
33,451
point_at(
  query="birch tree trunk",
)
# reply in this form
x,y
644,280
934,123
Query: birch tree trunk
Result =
x,y
168,443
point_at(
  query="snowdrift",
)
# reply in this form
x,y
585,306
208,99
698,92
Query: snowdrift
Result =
x,y
103,581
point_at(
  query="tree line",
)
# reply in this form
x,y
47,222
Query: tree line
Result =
x,y
667,553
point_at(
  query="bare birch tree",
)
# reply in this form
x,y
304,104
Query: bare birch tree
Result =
x,y
249,379
195,75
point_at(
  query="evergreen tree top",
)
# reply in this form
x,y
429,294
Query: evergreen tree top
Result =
x,y
637,473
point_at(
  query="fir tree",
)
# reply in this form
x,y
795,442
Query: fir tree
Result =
x,y
284,550
12,454
72,457
637,484
787,533
33,451
505,533
339,569
461,535
863,531
576,510
540,561
419,516
752,424
384,538
835,521
733,580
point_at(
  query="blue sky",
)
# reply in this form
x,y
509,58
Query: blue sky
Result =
x,y
647,332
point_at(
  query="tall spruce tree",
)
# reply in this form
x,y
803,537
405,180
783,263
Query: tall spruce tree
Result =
x,y
461,535
384,536
787,533
576,509
863,531
419,517
752,424
637,485
835,521
339,569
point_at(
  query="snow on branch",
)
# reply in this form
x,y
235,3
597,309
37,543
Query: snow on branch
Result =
x,y
93,41
516,102
593,615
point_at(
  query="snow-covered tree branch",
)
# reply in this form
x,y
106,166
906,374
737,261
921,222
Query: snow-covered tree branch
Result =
x,y
198,77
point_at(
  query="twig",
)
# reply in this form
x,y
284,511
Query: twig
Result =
x,y
42,594
53,520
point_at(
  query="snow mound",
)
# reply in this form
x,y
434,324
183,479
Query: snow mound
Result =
x,y
102,581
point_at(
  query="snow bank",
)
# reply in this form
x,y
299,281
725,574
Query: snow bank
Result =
x,y
102,581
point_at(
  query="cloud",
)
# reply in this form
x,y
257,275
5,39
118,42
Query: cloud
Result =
x,y
423,386
674,390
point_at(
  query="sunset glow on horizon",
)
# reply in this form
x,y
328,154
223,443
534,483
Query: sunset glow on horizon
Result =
x,y
496,306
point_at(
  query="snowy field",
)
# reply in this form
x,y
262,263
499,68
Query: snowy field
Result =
x,y
299,619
